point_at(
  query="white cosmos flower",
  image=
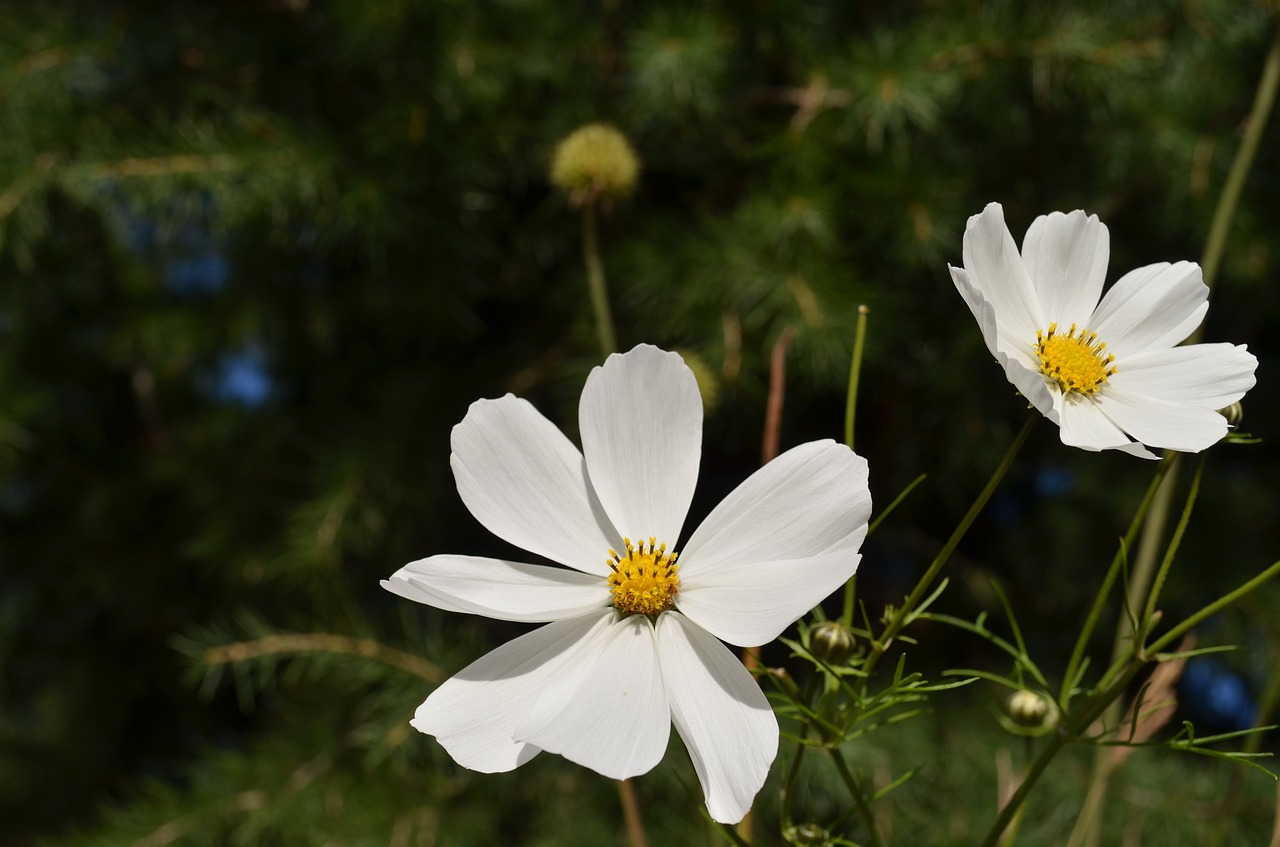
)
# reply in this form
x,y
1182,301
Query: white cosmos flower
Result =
x,y
1106,372
630,644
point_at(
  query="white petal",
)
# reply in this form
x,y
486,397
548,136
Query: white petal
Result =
x,y
995,268
983,312
806,501
641,422
474,714
1160,423
508,591
527,484
749,603
720,712
1033,386
1084,425
1066,258
1154,307
611,714
1210,375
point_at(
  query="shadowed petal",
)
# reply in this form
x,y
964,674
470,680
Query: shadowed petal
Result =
x,y
527,484
720,712
610,713
508,591
641,421
474,714
1084,425
983,312
1161,423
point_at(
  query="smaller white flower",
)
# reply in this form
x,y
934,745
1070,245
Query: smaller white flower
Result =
x,y
1107,372
630,644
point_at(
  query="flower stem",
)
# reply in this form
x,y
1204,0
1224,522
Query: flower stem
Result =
x,y
1255,124
1111,687
902,616
1099,601
631,814
855,791
595,281
855,372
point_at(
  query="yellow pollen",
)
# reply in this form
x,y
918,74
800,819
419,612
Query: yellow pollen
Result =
x,y
645,580
1076,360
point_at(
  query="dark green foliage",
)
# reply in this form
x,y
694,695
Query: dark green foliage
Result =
x,y
353,195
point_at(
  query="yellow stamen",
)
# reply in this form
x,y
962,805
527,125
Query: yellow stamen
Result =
x,y
1076,360
645,580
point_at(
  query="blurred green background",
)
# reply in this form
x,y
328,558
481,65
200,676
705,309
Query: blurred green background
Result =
x,y
257,257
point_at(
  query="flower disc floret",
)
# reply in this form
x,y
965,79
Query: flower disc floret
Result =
x,y
645,581
1076,359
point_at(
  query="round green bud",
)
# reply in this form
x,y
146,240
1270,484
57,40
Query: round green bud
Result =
x,y
595,161
831,642
808,835
1233,413
1027,708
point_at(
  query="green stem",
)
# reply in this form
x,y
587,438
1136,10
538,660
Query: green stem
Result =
x,y
595,281
1099,600
1115,682
1174,543
902,615
855,372
855,791
1256,123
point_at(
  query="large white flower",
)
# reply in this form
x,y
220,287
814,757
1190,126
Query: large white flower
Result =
x,y
1106,372
631,644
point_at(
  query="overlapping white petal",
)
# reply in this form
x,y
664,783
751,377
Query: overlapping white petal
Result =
x,y
527,484
1158,395
720,713
597,687
610,712
641,422
475,713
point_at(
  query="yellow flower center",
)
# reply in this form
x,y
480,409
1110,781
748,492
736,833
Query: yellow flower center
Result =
x,y
645,580
1076,360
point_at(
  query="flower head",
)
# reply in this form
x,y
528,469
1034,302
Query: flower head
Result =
x,y
1104,368
632,641
595,160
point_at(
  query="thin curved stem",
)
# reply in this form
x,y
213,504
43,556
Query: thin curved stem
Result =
x,y
595,282
902,615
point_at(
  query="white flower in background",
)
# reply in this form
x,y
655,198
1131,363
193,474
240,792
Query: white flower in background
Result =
x,y
1106,372
631,644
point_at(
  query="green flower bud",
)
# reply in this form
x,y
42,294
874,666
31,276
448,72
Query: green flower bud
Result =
x,y
1027,708
831,642
1233,413
595,161
807,835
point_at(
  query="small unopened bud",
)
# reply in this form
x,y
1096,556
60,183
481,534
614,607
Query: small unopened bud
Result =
x,y
1027,708
1233,413
831,642
808,835
595,162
